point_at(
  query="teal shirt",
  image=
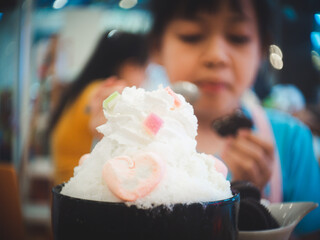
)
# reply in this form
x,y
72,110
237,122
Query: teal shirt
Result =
x,y
300,168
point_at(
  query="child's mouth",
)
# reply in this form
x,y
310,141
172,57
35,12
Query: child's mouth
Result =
x,y
212,87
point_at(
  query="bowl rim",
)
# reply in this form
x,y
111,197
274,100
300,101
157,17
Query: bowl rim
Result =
x,y
56,190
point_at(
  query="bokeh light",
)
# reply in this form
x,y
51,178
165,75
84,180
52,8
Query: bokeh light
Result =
x,y
315,59
275,57
317,18
59,4
126,4
315,39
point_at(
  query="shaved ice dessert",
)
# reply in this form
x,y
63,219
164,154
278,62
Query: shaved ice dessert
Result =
x,y
144,179
148,155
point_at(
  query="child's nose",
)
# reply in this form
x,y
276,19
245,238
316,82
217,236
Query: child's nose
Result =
x,y
215,52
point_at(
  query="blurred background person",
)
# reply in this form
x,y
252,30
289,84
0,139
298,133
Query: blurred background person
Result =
x,y
119,60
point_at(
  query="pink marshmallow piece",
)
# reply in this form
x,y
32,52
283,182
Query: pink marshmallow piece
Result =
x,y
220,166
83,158
153,123
125,178
177,102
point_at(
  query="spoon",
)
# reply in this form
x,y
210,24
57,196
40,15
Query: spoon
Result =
x,y
189,90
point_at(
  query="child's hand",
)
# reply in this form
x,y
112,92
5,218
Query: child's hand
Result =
x,y
102,91
249,157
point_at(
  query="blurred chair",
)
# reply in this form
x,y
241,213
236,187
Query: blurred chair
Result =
x,y
11,222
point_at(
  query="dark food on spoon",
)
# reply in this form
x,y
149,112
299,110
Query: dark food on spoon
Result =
x,y
230,124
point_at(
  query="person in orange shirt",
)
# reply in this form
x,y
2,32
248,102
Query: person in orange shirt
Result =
x,y
119,60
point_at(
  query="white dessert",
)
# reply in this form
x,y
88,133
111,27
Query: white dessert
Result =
x,y
186,176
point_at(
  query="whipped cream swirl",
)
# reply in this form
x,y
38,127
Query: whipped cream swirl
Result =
x,y
189,176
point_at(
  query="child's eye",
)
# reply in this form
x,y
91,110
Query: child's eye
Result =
x,y
239,39
191,38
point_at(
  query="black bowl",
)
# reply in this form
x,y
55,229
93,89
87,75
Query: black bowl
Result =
x,y
74,218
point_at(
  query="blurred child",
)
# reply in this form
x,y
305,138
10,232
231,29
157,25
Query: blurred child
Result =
x,y
119,60
219,46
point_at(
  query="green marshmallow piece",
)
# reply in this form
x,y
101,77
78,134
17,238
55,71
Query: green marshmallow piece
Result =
x,y
109,99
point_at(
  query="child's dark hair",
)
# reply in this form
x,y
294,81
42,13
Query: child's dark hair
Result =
x,y
163,11
112,50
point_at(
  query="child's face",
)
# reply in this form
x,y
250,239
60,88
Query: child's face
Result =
x,y
219,52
